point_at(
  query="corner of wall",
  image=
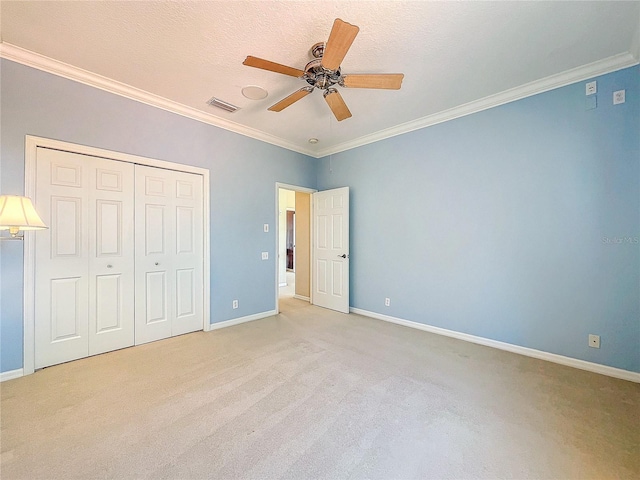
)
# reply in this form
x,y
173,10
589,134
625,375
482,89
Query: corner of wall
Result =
x,y
635,44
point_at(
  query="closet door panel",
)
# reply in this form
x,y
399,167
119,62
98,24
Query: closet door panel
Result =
x,y
154,266
169,230
84,262
61,280
112,260
188,253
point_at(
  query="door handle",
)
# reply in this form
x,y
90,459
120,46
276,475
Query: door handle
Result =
x,y
109,266
157,263
344,255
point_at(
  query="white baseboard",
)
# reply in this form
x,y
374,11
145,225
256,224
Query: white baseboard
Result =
x,y
529,352
300,297
239,320
11,374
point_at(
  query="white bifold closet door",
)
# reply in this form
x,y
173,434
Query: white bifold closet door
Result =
x,y
85,264
168,251
121,263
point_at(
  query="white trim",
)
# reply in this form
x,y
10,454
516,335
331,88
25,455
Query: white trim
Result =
x,y
31,145
300,297
239,320
276,230
35,142
61,69
28,292
206,254
529,352
635,43
584,72
10,375
295,188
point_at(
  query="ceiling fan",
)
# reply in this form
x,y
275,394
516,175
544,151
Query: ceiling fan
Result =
x,y
325,74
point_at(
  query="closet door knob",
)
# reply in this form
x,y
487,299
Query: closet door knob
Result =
x,y
109,266
157,263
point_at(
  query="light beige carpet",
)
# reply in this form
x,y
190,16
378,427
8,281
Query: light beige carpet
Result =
x,y
315,394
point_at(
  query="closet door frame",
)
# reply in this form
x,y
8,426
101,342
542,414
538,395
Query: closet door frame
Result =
x,y
31,146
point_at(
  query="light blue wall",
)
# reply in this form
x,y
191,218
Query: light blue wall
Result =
x,y
243,177
491,224
496,224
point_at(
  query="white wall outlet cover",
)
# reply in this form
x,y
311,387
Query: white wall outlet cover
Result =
x,y
594,341
591,88
265,255
618,97
235,304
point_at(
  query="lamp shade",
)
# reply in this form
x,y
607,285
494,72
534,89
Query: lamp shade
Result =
x,y
17,213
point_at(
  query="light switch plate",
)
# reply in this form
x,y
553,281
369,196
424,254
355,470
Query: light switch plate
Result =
x,y
266,227
265,255
591,88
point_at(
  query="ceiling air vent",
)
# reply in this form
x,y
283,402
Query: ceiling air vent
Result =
x,y
216,102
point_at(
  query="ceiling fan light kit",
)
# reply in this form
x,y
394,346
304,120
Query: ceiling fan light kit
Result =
x,y
254,92
324,73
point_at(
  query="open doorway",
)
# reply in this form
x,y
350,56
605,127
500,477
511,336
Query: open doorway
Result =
x,y
320,274
290,240
294,243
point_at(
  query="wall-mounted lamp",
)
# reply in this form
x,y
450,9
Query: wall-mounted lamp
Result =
x,y
17,213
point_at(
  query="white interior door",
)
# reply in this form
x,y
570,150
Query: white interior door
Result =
x,y
169,282
331,249
84,262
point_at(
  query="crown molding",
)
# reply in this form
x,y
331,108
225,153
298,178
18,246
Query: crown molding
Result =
x,y
635,43
585,72
61,69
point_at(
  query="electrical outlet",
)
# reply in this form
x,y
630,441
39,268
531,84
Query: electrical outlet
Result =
x,y
235,304
387,302
594,341
618,97
266,228
591,88
265,255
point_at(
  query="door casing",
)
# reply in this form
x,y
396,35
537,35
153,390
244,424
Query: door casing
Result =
x,y
31,145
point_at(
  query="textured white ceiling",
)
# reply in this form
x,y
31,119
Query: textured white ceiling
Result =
x,y
451,53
